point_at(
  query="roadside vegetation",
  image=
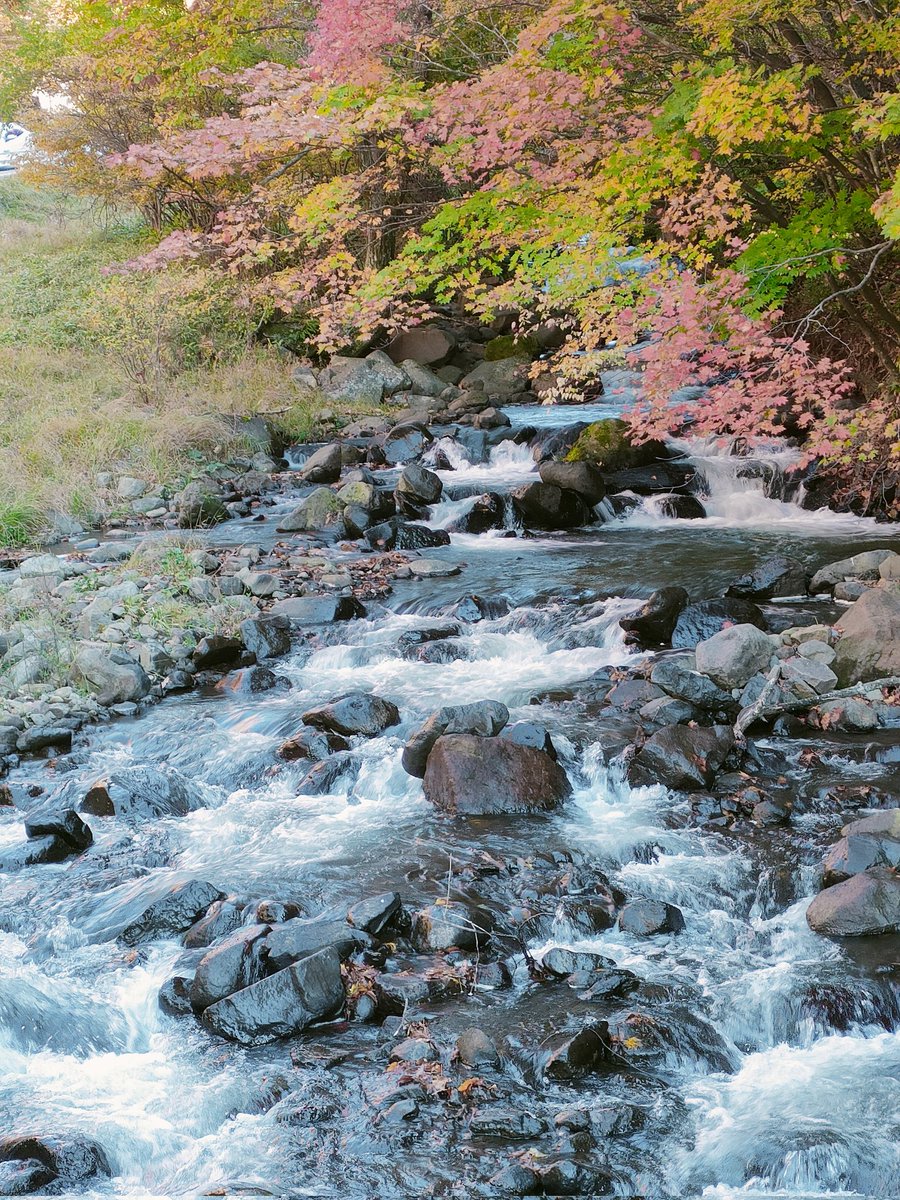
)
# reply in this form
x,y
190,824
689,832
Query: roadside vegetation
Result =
x,y
112,373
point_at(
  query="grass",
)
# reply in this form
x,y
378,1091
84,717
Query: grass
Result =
x,y
125,374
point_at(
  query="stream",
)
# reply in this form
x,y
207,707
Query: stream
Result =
x,y
775,1069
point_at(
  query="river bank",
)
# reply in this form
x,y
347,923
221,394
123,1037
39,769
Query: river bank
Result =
x,y
620,994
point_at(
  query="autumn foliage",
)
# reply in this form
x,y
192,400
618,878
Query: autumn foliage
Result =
x,y
716,183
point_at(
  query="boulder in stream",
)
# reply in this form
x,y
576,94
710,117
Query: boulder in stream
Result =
x,y
267,636
403,535
355,713
643,918
580,477
654,622
142,791
864,905
734,655
869,646
323,465
482,718
419,486
490,776
700,621
172,913
318,610
233,964
545,506
283,1004
31,1163
680,507
682,757
773,577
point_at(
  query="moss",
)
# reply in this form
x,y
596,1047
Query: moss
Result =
x,y
508,346
607,444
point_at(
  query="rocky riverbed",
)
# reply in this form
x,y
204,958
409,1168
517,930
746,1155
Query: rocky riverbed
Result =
x,y
464,817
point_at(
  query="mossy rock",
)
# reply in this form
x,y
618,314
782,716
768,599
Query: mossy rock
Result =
x,y
508,346
607,444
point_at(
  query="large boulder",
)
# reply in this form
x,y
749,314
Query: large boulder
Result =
x,y
111,673
609,445
680,507
700,621
32,1162
200,504
318,610
858,850
267,636
732,656
404,444
681,757
281,1005
643,918
291,941
654,622
323,466
429,345
865,565
419,486
503,378
678,676
172,913
489,776
869,646
580,477
487,512
774,577
235,963
320,510
483,718
862,906
544,506
404,535
142,791
357,380
357,712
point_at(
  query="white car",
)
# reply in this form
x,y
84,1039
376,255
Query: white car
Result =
x,y
14,142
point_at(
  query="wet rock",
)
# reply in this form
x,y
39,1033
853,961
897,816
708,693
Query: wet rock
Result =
x,y
701,621
859,566
375,912
413,1050
668,711
472,609
561,962
505,1125
220,919
475,776
871,842
483,718
250,681
677,675
404,444
296,939
864,905
633,694
217,651
608,445
355,713
515,1179
475,1049
323,466
774,577
34,852
733,655
442,926
399,1111
173,913
174,998
41,737
681,757
654,623
643,918
111,673
235,963
680,507
283,1004
419,485
570,1178
432,568
318,610
311,744
31,1162
527,733
488,512
403,535
869,645
579,477
142,791
323,778
64,824
577,1054
201,504
543,506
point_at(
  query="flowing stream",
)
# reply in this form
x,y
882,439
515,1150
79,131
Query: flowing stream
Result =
x,y
779,1073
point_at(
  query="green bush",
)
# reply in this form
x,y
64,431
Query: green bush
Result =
x,y
507,346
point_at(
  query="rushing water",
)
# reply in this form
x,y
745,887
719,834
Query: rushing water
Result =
x,y
762,1093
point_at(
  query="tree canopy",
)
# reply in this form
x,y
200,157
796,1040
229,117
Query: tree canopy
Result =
x,y
716,181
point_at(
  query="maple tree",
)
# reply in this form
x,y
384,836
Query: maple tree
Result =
x,y
716,183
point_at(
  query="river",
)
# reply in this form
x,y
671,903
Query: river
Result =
x,y
776,1069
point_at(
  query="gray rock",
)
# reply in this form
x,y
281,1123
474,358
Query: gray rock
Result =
x,y
318,610
215,651
667,710
323,466
864,905
419,485
859,566
404,444
502,378
733,655
357,712
475,1049
173,913
806,677
483,718
478,776
677,675
849,714
281,1005
544,506
442,926
200,504
375,912
291,941
654,623
45,567
235,963
869,646
700,621
320,510
580,477
428,345
142,791
528,733
776,576
681,757
352,381
859,851
61,823
111,673
267,637
643,918
111,552
404,535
